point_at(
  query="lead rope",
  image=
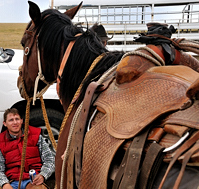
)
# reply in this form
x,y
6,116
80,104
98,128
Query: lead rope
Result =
x,y
25,134
50,133
27,126
24,142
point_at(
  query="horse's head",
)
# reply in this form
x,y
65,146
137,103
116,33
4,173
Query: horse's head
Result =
x,y
34,41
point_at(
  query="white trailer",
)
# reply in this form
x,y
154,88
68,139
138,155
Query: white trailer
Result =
x,y
126,19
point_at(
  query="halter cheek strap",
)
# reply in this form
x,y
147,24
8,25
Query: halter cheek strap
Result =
x,y
40,76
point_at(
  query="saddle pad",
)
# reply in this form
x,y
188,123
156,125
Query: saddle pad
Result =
x,y
130,107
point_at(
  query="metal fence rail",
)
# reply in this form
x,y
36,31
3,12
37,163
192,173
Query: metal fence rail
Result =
x,y
125,22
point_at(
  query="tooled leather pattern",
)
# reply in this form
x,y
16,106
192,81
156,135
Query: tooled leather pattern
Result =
x,y
132,106
188,117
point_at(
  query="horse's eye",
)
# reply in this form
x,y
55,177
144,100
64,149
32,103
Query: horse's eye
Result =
x,y
26,50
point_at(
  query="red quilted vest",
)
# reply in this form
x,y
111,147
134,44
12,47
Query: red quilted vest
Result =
x,y
12,150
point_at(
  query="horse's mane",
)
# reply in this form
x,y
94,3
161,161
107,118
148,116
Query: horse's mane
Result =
x,y
58,30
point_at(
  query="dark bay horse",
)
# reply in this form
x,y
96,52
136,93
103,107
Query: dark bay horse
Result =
x,y
140,99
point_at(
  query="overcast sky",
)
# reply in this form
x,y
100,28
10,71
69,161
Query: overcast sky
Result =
x,y
16,11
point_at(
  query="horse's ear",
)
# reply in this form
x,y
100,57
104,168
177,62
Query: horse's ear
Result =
x,y
34,12
72,12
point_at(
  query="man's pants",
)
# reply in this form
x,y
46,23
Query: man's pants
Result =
x,y
24,183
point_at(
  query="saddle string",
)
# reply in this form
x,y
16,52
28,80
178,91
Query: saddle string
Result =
x,y
24,141
77,113
158,62
91,118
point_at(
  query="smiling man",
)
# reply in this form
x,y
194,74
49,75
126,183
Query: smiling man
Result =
x,y
38,155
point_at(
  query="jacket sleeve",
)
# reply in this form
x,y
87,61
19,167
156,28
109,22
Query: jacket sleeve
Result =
x,y
48,159
3,178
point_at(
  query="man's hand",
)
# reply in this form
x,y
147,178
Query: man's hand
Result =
x,y
39,179
63,155
7,186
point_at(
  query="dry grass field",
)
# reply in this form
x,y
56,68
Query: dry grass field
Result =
x,y
11,34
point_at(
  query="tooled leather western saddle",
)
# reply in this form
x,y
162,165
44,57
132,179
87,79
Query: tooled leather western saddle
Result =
x,y
149,117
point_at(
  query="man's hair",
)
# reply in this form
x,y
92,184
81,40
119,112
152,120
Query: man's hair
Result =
x,y
10,110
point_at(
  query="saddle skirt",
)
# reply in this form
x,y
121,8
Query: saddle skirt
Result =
x,y
130,107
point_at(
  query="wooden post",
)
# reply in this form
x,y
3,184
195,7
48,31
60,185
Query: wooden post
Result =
x,y
52,4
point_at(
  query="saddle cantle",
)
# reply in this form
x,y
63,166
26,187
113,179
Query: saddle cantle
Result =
x,y
159,90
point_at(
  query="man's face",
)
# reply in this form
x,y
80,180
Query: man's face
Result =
x,y
13,123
